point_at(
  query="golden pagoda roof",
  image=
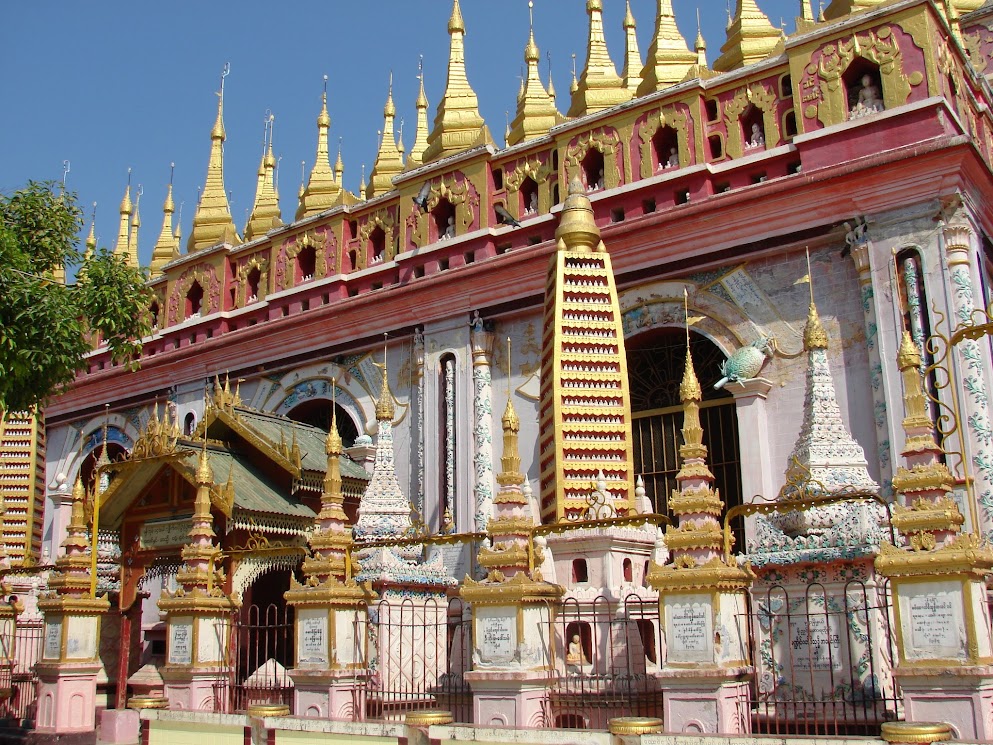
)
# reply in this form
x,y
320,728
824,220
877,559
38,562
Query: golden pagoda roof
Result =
x,y
166,247
599,87
536,112
751,38
669,58
389,160
322,191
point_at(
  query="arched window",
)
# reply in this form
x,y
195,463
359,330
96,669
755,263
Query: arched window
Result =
x,y
306,264
443,220
789,125
377,246
593,169
580,571
753,128
665,144
864,86
194,300
627,570
529,197
252,285
189,424
716,146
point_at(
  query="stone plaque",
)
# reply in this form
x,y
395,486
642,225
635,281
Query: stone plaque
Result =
x,y
181,641
312,647
497,629
81,638
210,635
344,633
815,643
933,622
165,533
53,640
689,628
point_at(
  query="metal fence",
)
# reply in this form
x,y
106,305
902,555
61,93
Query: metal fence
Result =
x,y
419,649
20,649
823,660
260,652
607,653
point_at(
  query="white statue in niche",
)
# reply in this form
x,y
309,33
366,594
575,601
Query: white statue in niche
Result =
x,y
576,657
450,229
532,203
870,100
757,138
673,161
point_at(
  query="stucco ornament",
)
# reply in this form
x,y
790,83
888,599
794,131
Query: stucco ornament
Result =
x,y
746,362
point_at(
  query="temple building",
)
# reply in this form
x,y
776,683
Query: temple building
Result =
x,y
734,314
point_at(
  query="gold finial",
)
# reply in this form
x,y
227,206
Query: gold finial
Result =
x,y
416,155
511,422
132,255
751,38
389,160
333,445
212,223
689,388
385,409
166,247
91,239
265,213
126,209
577,230
536,112
669,58
575,83
205,475
362,186
631,74
599,87
458,124
551,85
814,335
322,190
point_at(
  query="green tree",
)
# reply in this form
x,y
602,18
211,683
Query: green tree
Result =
x,y
46,326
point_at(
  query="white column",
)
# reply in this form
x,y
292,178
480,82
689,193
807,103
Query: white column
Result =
x,y
753,438
482,431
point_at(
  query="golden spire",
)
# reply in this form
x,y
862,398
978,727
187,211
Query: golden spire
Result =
x,y
389,161
122,247
362,186
750,38
385,408
692,452
132,255
669,58
339,165
458,125
551,85
631,73
265,212
814,335
574,86
166,247
416,156
178,233
91,239
322,190
536,112
510,462
700,46
212,223
599,86
806,13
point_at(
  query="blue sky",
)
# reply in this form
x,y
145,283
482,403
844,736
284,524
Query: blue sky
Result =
x,y
110,85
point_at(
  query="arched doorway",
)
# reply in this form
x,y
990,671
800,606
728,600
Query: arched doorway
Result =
x,y
655,369
317,413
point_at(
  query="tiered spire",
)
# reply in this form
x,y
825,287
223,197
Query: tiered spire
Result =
x,y
389,160
322,191
167,246
132,255
536,112
458,125
928,514
585,402
669,59
212,223
416,156
750,38
631,74
72,569
383,512
91,238
123,246
696,505
599,87
265,212
826,458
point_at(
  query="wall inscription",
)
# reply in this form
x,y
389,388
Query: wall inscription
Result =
x,y
689,628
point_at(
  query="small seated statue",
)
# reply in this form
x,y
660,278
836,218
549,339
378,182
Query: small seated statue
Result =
x,y
450,230
758,138
533,203
673,161
869,101
576,657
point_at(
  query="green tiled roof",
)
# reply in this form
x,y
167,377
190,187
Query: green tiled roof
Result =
x,y
310,440
252,491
